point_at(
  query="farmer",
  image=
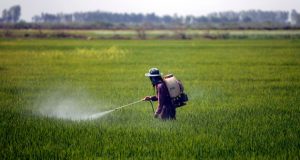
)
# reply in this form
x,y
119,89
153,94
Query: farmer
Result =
x,y
164,110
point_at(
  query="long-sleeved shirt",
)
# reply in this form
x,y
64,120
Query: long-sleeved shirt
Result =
x,y
164,108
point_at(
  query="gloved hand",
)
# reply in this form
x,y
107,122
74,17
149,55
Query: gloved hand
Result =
x,y
147,98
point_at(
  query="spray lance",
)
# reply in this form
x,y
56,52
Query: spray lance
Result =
x,y
133,104
97,115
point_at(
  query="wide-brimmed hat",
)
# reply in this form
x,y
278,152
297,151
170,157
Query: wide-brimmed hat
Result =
x,y
153,72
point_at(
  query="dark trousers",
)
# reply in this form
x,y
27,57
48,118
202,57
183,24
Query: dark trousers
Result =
x,y
168,113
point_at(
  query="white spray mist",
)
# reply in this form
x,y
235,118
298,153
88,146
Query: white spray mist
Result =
x,y
75,107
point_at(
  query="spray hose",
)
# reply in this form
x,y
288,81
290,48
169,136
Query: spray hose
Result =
x,y
152,106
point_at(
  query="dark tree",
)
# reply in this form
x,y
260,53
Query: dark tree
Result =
x,y
12,15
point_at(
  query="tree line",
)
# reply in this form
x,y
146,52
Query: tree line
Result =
x,y
107,20
216,17
11,15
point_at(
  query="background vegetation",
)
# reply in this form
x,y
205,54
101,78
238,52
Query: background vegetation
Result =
x,y
249,19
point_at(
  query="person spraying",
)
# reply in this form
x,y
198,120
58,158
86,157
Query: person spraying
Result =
x,y
169,94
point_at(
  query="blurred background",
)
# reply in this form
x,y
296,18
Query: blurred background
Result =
x,y
140,16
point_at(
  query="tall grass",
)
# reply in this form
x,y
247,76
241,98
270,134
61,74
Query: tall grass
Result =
x,y
244,99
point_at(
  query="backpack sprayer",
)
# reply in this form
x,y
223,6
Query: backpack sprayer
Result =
x,y
176,91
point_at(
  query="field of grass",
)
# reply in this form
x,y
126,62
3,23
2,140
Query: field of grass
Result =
x,y
244,99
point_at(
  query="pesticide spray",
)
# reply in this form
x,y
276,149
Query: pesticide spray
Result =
x,y
71,109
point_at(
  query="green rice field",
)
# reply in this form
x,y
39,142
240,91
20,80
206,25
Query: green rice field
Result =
x,y
244,99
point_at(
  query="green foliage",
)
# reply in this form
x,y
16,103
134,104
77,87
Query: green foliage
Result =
x,y
244,99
